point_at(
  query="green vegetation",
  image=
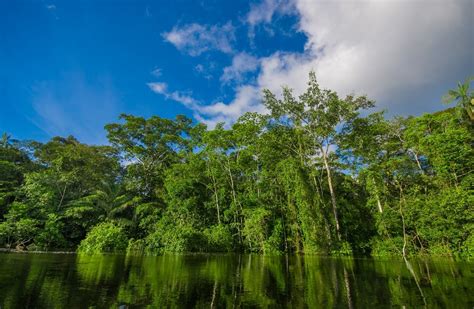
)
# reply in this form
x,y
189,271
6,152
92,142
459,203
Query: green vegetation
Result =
x,y
104,237
317,174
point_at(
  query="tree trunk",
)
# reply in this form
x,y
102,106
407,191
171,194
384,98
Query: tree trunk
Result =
x,y
333,194
379,204
417,160
214,183
234,197
62,197
403,222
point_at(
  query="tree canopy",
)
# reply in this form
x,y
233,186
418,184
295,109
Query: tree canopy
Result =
x,y
318,174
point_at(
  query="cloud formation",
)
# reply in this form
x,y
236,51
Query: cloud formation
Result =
x,y
183,98
386,49
195,39
212,114
391,50
264,11
242,63
377,47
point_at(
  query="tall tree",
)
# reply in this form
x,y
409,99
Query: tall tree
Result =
x,y
319,113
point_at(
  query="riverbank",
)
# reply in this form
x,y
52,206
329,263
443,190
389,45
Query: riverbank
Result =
x,y
36,251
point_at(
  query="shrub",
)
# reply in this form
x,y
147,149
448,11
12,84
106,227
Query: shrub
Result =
x,y
387,247
440,249
343,249
170,238
219,238
273,245
136,246
255,228
104,237
19,233
468,247
51,236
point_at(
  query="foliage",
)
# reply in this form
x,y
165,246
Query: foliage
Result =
x,y
104,237
319,173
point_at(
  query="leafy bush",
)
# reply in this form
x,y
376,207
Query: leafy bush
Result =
x,y
273,244
172,238
18,233
51,236
468,247
104,237
255,228
440,250
219,238
136,246
387,247
343,249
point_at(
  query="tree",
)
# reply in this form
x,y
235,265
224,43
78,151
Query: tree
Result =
x,y
463,97
318,113
148,146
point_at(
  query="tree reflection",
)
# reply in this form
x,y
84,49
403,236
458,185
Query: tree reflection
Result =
x,y
230,281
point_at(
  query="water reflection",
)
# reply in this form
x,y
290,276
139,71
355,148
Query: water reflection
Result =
x,y
218,281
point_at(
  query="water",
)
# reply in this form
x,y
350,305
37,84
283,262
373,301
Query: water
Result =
x,y
219,281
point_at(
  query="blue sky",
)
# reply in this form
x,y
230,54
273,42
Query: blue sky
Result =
x,y
70,67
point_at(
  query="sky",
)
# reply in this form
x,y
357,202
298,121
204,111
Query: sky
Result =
x,y
70,67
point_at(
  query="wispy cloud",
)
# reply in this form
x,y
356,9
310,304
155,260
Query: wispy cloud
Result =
x,y
205,71
242,63
183,98
74,106
52,9
264,11
157,72
195,39
247,99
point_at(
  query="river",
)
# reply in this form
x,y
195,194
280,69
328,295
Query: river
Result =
x,y
228,281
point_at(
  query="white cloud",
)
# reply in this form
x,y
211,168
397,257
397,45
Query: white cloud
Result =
x,y
264,11
204,71
242,63
381,48
246,99
195,39
51,6
183,98
157,87
397,52
199,68
261,12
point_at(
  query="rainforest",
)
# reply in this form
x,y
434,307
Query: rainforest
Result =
x,y
314,174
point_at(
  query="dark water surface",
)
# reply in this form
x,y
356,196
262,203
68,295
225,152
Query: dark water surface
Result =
x,y
220,281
